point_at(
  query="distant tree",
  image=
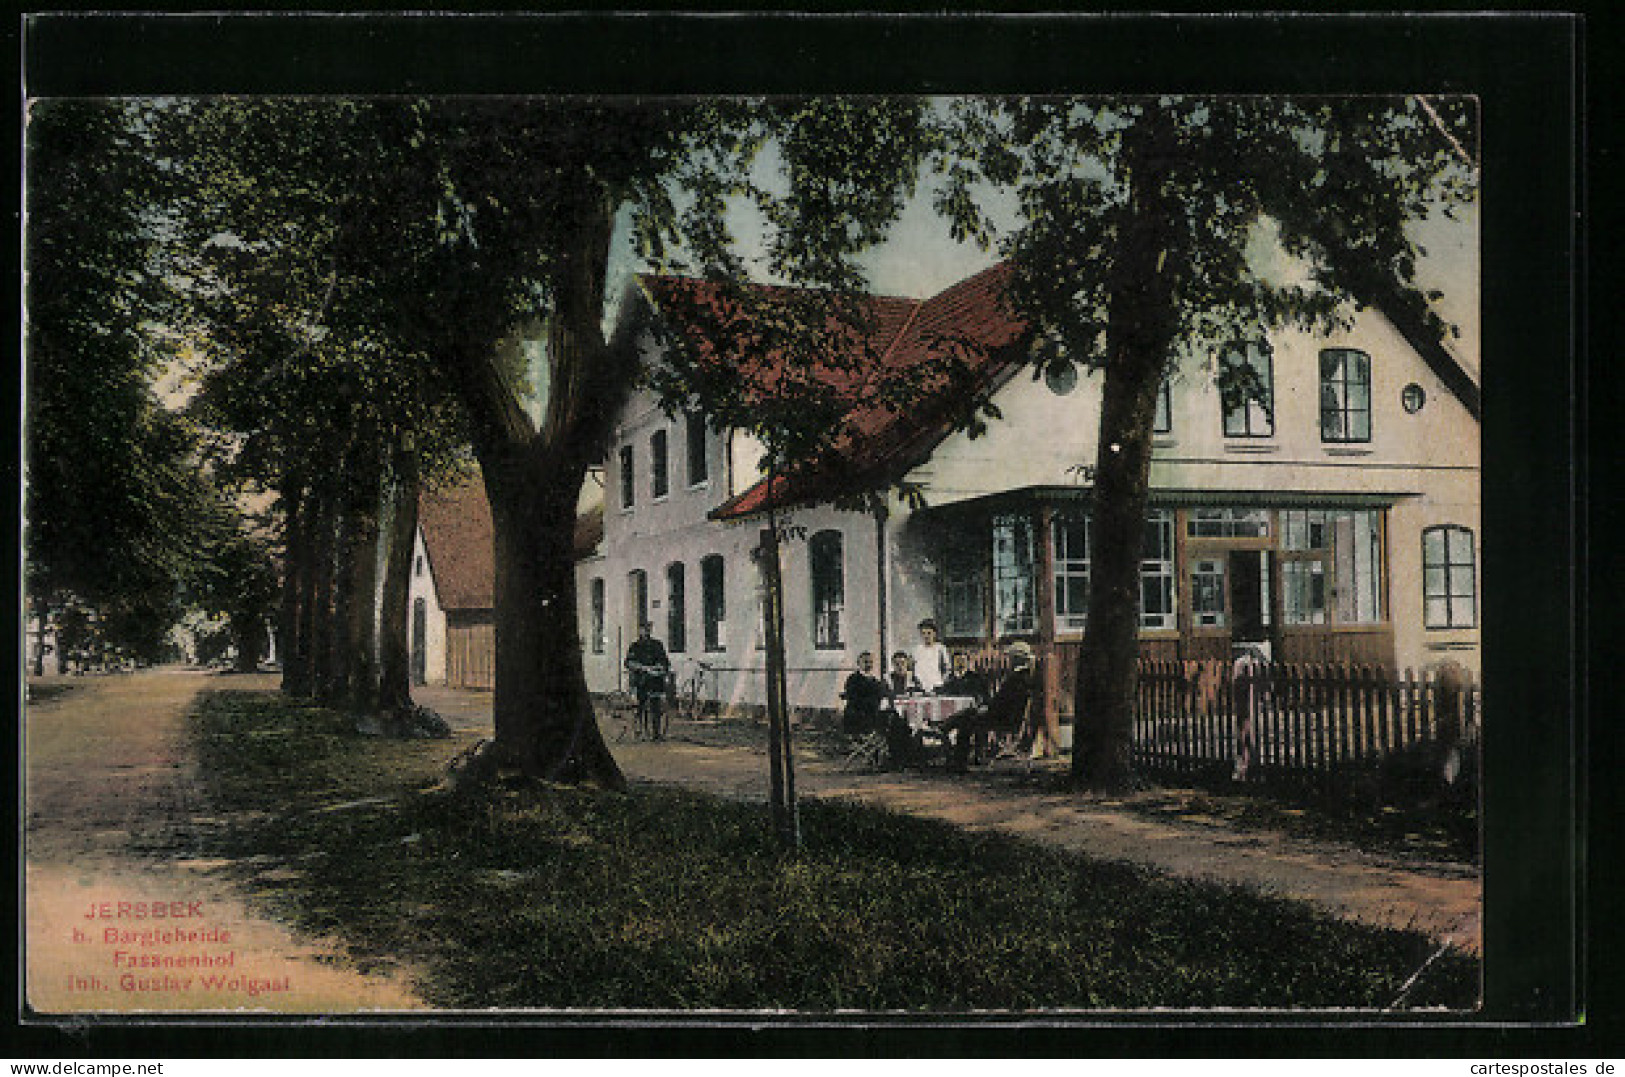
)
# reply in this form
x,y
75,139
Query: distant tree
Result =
x,y
464,231
112,504
236,578
1136,216
314,398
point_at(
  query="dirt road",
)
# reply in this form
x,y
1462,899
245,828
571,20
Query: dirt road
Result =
x,y
113,931
110,929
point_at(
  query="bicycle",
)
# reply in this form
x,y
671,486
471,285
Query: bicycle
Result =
x,y
690,706
649,719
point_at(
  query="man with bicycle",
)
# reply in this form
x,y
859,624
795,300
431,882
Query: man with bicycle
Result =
x,y
648,670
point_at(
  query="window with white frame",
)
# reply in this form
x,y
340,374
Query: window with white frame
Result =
x,y
676,608
1157,571
1072,537
629,489
828,572
1247,391
1227,523
596,603
1332,566
1013,605
713,601
1345,395
1449,584
1070,534
659,476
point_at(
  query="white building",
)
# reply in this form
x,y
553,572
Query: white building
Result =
x,y
1340,524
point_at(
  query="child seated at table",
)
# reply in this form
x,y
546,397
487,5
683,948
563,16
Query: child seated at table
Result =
x,y
965,681
901,680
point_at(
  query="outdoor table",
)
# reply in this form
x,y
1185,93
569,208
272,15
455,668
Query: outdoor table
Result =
x,y
923,712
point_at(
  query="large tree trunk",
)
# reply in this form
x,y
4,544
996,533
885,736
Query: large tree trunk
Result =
x,y
781,760
363,609
394,646
42,623
294,644
319,612
334,688
1139,335
544,717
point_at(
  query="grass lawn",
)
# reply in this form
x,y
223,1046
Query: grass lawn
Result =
x,y
1442,828
533,896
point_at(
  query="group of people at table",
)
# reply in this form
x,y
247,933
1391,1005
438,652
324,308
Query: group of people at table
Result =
x,y
892,706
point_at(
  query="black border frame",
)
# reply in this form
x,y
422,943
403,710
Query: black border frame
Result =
x,y
1526,70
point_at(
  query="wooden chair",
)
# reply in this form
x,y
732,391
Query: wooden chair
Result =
x,y
869,750
1005,742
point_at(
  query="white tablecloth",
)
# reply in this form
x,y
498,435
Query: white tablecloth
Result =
x,y
922,711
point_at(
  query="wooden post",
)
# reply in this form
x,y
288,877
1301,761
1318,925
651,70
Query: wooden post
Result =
x,y
1380,689
1412,702
778,780
1048,684
1269,720
882,572
1315,710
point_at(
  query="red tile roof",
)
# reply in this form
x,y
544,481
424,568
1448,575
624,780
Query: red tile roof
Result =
x,y
456,523
881,439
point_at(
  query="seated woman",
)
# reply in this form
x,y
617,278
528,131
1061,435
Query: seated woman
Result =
x,y
868,709
1005,712
864,693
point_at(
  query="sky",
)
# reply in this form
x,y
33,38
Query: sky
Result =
x,y
920,258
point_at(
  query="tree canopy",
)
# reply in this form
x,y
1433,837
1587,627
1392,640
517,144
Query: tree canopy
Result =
x,y
116,503
1137,215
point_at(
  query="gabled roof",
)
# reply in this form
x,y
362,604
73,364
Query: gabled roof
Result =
x,y
882,441
457,531
1408,313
